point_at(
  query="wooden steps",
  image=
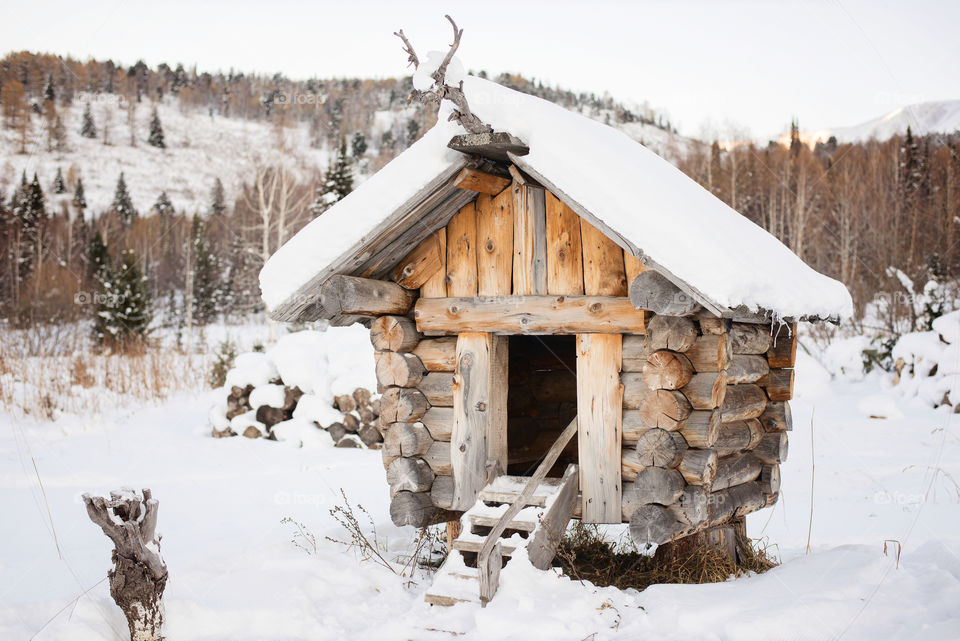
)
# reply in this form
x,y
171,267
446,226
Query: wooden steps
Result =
x,y
536,529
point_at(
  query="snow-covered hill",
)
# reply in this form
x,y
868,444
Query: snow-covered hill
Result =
x,y
199,149
923,118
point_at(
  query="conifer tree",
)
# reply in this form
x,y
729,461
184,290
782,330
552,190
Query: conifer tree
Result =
x,y
88,129
59,135
358,145
339,180
205,272
217,199
122,203
163,206
58,185
31,215
156,131
123,306
413,131
98,258
79,198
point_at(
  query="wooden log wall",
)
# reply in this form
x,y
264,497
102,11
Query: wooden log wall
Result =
x,y
705,415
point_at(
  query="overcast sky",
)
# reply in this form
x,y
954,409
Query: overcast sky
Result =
x,y
755,63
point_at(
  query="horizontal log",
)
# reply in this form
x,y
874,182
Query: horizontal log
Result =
x,y
481,181
746,368
441,493
747,338
398,370
653,524
402,405
777,417
634,390
530,315
742,402
779,384
656,485
701,428
355,296
738,436
710,324
438,457
770,479
783,352
651,290
407,440
412,508
634,353
734,470
632,426
772,448
666,409
660,448
394,334
667,370
676,333
709,353
698,467
409,474
438,388
421,264
437,354
439,422
706,390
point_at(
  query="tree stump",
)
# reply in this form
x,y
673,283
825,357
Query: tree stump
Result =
x,y
139,575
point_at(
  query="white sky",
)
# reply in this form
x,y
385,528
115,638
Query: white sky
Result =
x,y
753,63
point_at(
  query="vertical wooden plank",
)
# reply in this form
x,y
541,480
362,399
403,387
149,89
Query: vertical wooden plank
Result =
x,y
564,253
462,252
600,415
436,285
603,269
495,244
479,413
529,239
634,266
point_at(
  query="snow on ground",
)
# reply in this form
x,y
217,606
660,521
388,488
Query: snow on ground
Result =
x,y
234,573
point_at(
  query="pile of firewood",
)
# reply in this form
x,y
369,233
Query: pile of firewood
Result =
x,y
357,427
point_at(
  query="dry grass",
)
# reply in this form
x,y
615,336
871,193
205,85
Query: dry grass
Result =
x,y
46,372
586,556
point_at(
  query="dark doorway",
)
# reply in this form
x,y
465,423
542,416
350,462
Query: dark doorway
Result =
x,y
541,401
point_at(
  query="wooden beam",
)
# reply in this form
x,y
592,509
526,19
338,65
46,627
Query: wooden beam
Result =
x,y
436,285
784,350
479,413
529,236
495,145
603,268
420,264
599,403
352,295
530,315
654,291
495,244
481,181
564,250
462,252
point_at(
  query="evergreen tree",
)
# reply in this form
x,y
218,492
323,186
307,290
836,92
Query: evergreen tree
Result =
x,y
59,135
413,131
31,215
48,93
163,206
88,129
79,198
122,204
387,141
156,131
205,272
98,258
339,180
358,145
58,185
123,306
217,199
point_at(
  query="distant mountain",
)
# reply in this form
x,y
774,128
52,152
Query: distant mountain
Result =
x,y
922,118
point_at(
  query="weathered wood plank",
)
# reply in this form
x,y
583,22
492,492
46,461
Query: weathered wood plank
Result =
x,y
632,266
742,402
599,397
784,350
495,245
437,387
709,353
439,422
437,354
603,269
706,390
462,252
481,181
352,295
530,315
420,264
635,353
436,285
529,237
564,252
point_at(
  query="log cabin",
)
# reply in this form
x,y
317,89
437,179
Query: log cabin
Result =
x,y
565,326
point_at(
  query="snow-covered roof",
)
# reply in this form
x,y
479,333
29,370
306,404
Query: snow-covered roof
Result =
x,y
644,203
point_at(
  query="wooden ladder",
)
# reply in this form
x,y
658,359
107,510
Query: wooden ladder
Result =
x,y
511,513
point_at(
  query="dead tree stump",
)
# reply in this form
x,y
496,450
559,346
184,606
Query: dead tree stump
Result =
x,y
139,575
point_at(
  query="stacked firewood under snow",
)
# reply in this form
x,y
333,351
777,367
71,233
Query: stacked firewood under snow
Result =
x,y
301,390
705,417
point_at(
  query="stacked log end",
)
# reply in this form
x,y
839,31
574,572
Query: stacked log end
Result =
x,y
704,422
415,376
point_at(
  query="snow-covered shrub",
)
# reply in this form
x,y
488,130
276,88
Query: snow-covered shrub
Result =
x,y
309,388
928,363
